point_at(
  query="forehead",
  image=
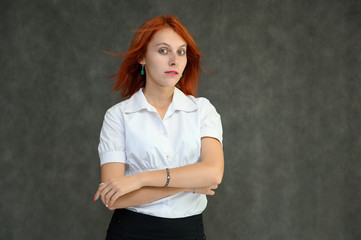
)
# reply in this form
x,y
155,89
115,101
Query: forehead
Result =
x,y
167,36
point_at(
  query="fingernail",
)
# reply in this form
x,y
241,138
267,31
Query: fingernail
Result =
x,y
95,198
106,205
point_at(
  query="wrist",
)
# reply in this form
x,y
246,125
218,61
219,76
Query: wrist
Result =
x,y
142,179
157,178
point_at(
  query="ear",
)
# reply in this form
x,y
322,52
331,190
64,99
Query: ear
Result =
x,y
141,61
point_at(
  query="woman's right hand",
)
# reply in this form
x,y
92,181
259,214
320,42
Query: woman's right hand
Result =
x,y
115,187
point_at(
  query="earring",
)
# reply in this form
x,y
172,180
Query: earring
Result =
x,y
181,75
142,71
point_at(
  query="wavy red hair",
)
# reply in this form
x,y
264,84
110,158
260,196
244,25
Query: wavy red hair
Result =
x,y
129,79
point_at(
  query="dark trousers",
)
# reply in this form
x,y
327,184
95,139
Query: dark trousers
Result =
x,y
128,225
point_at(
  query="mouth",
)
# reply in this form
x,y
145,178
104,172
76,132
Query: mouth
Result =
x,y
172,73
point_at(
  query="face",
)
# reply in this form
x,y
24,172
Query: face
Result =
x,y
165,59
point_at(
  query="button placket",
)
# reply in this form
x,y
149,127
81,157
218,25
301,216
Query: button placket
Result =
x,y
167,151
167,144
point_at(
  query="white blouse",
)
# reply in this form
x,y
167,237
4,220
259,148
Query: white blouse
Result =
x,y
134,134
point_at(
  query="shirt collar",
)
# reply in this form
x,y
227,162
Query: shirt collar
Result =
x,y
183,102
180,102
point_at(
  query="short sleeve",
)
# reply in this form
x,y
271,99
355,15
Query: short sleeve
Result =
x,y
111,146
211,125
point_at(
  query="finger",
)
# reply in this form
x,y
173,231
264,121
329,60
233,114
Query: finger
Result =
x,y
104,192
97,193
100,188
114,198
103,195
108,196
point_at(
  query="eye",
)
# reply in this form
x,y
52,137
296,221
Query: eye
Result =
x,y
163,50
181,52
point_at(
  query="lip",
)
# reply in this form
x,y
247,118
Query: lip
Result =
x,y
172,73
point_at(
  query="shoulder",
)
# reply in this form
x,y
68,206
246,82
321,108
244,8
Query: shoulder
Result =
x,y
191,103
117,110
202,101
205,106
211,125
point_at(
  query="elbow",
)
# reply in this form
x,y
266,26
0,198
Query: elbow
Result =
x,y
213,174
218,179
218,176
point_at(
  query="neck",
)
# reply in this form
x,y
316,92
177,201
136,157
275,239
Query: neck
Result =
x,y
159,97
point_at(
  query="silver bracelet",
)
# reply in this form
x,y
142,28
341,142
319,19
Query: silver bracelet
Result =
x,y
168,178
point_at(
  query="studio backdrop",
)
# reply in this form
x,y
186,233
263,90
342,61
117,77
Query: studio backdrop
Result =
x,y
283,75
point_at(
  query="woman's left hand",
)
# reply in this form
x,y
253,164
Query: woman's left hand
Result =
x,y
112,189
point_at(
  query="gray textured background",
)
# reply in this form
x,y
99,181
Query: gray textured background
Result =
x,y
286,80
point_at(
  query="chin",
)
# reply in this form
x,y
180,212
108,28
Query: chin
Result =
x,y
170,84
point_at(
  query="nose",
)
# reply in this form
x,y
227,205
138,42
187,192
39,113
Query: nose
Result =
x,y
173,59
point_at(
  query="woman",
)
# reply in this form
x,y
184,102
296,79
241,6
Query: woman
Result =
x,y
160,150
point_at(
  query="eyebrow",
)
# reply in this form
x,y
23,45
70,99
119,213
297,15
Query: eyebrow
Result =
x,y
184,45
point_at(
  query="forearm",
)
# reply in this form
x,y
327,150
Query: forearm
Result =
x,y
194,175
205,173
208,172
146,195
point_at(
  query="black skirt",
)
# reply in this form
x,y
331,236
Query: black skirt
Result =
x,y
129,225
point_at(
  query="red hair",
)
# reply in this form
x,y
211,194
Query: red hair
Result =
x,y
129,79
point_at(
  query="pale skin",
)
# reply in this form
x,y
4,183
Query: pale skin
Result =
x,y
164,61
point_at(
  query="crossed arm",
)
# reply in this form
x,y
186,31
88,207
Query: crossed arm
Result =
x,y
119,191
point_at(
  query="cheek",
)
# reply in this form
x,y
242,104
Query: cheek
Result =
x,y
154,63
159,61
185,64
